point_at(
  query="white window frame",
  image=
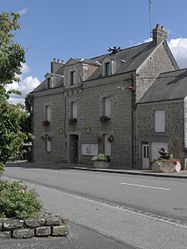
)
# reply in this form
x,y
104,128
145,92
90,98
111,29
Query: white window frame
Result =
x,y
160,120
48,145
74,110
107,106
47,113
107,147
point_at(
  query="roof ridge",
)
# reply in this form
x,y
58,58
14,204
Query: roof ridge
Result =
x,y
92,58
167,72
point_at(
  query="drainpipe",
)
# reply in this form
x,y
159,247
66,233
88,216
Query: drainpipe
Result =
x,y
133,106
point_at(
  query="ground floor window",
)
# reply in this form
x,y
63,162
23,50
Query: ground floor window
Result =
x,y
107,149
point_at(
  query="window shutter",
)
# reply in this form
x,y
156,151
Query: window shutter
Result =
x,y
159,121
107,107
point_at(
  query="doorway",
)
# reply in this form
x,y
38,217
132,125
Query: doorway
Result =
x,y
145,155
73,148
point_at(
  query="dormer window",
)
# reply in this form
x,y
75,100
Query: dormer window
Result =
x,y
72,77
109,67
49,82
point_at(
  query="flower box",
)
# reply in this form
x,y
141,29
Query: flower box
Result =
x,y
101,164
46,123
166,166
104,118
72,121
101,161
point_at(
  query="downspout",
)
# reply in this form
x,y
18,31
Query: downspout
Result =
x,y
133,106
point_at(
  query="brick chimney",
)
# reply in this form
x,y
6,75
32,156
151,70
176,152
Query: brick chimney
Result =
x,y
159,34
55,65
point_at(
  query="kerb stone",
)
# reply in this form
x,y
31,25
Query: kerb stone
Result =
x,y
43,231
12,224
23,233
60,230
53,221
34,222
5,235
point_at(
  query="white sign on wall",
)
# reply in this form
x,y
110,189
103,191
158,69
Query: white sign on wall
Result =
x,y
89,149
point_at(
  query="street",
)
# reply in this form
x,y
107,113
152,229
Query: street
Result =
x,y
142,211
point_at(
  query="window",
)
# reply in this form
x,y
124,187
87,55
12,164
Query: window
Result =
x,y
48,113
47,143
107,106
107,69
159,121
106,145
72,77
74,110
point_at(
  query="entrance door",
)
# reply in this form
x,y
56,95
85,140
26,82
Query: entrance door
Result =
x,y
73,146
145,156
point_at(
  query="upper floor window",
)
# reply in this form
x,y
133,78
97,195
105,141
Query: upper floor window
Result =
x,y
160,121
48,113
49,82
107,106
72,77
107,67
74,110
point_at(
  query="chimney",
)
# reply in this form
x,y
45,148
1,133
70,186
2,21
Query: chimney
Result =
x,y
159,34
56,64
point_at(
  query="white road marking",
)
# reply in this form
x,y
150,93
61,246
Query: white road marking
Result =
x,y
143,186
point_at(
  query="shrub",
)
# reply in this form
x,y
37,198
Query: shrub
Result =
x,y
18,202
1,168
101,157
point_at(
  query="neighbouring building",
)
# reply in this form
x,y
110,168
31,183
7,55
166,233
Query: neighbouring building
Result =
x,y
126,103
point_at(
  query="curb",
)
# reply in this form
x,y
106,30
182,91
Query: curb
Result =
x,y
126,172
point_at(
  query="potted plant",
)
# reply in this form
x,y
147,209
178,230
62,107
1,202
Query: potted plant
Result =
x,y
72,121
46,123
101,161
104,118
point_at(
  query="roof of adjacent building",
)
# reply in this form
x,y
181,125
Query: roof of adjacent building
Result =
x,y
168,86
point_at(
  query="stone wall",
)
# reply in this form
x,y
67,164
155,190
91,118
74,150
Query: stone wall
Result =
x,y
157,63
89,98
38,227
173,135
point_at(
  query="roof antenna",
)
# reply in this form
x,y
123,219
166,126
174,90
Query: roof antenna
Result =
x,y
150,23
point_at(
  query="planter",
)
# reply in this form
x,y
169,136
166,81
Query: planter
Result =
x,y
166,166
101,164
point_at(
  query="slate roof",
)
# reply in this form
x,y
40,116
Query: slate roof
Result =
x,y
168,86
133,56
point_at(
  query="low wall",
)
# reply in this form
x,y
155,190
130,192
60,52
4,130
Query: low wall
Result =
x,y
38,227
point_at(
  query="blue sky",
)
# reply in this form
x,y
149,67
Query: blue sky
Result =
x,y
86,28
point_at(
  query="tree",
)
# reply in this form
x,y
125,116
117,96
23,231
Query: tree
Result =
x,y
12,55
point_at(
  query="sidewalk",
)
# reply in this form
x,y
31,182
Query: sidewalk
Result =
x,y
181,174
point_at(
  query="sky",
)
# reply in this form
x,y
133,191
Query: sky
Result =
x,y
86,28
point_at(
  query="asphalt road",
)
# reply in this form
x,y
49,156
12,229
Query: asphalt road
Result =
x,y
142,211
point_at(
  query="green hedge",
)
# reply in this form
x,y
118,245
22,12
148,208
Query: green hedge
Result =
x,y
16,201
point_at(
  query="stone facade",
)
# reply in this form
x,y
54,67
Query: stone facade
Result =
x,y
174,129
126,84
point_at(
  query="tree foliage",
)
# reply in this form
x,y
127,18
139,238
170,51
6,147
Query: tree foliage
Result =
x,y
12,55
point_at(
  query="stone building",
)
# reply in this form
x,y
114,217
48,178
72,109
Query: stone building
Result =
x,y
88,106
161,116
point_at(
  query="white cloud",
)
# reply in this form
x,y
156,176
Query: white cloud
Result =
x,y
178,47
25,85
